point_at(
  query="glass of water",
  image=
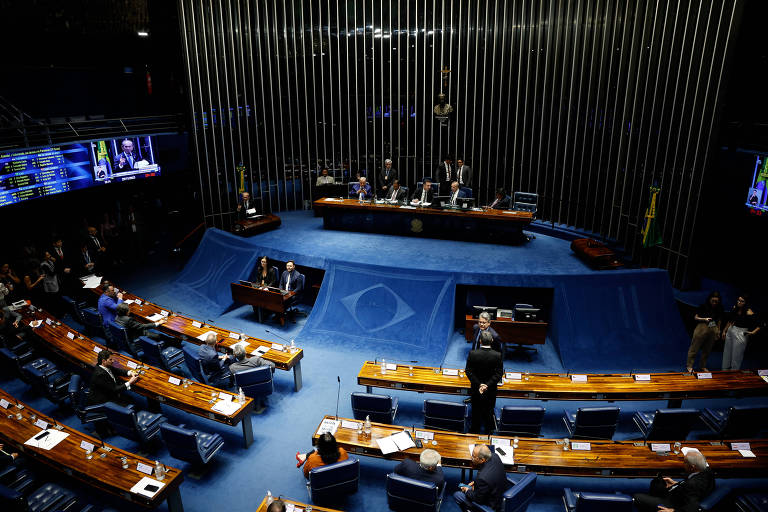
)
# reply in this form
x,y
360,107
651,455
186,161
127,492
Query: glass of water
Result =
x,y
676,447
566,444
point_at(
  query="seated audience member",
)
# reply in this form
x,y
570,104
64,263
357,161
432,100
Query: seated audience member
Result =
x,y
456,193
266,274
427,469
11,281
502,201
108,302
484,324
327,452
361,189
424,194
396,193
324,178
133,326
105,384
245,204
276,506
490,484
241,363
212,361
667,495
289,280
6,458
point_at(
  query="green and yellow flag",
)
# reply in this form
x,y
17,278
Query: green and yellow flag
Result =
x,y
650,231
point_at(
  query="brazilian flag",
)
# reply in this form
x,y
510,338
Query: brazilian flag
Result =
x,y
650,231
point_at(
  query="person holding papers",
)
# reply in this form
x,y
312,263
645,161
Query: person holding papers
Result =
x,y
427,469
327,452
245,205
484,370
424,195
105,384
489,486
667,495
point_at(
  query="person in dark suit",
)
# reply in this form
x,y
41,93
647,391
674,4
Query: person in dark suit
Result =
x,y
424,194
446,174
361,188
484,370
211,360
463,173
125,160
86,260
502,201
105,384
396,193
385,178
456,193
427,469
289,280
484,324
98,248
266,274
245,204
682,496
241,363
134,327
489,485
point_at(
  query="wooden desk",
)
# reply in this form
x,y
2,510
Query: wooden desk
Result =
x,y
673,387
103,471
262,298
547,457
255,225
182,326
511,331
299,506
153,383
504,226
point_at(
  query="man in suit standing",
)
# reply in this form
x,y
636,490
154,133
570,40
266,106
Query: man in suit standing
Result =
x,y
97,248
87,260
423,195
242,363
427,469
245,204
125,160
502,201
456,193
361,189
446,173
396,193
105,385
386,177
484,370
682,496
484,324
463,173
489,486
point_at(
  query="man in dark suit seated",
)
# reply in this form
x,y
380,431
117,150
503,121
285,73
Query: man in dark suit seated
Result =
x,y
682,496
424,194
502,201
211,360
105,383
289,280
361,189
135,328
456,193
427,469
484,324
243,363
489,485
396,194
484,370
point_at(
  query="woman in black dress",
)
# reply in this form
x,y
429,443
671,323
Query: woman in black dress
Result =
x,y
267,274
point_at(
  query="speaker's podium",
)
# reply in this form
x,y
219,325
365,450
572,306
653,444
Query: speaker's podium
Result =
x,y
255,224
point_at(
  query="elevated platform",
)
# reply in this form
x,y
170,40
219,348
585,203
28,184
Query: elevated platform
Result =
x,y
398,293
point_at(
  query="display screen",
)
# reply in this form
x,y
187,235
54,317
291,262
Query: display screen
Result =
x,y
757,196
39,172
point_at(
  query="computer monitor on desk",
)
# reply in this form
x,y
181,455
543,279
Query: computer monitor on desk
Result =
x,y
491,310
527,314
246,283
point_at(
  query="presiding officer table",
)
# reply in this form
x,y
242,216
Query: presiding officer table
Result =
x,y
454,224
673,387
104,470
547,456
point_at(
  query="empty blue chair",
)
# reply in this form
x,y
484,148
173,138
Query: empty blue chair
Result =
x,y
141,426
156,354
193,446
41,364
78,399
444,415
592,422
596,502
221,379
75,309
47,498
664,424
17,477
256,382
13,362
329,484
119,336
409,495
519,421
517,497
94,325
752,502
737,422
381,408
48,380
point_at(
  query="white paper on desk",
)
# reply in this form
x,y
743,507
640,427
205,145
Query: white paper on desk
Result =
x,y
403,440
508,457
387,445
234,336
765,378
226,407
141,487
204,335
408,207
333,200
260,351
349,424
747,453
53,438
157,317
328,425
197,324
243,344
251,211
35,323
128,301
450,372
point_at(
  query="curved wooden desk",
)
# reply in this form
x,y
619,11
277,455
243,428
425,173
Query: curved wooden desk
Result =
x,y
298,506
153,384
103,471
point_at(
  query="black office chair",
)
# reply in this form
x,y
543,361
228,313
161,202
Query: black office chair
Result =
x,y
665,424
592,422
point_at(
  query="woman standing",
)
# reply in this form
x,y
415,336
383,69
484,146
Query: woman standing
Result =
x,y
742,323
708,318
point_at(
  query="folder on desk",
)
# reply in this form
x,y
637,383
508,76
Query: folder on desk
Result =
x,y
147,487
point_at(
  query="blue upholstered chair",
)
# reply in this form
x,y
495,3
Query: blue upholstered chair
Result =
x,y
443,415
592,422
13,362
193,446
221,379
78,399
48,380
47,498
435,188
752,502
16,477
517,497
330,483
664,424
525,202
596,502
519,421
141,426
467,191
409,495
119,336
41,364
256,382
737,422
381,408
75,309
94,324
715,498
156,354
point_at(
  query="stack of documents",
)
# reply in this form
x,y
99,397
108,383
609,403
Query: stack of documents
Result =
x,y
92,282
328,425
396,442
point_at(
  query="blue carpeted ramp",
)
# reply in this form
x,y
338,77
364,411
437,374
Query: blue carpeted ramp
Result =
x,y
220,259
405,314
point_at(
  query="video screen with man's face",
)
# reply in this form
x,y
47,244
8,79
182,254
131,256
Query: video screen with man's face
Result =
x,y
123,159
757,196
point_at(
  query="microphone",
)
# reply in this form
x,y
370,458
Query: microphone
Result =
x,y
338,393
281,337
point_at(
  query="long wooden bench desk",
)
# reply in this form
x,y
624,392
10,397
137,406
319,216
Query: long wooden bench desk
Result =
x,y
154,384
189,329
104,470
547,456
297,506
673,387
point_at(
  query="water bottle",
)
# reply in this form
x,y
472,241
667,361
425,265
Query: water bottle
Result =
x,y
159,470
367,427
293,347
360,197
270,499
383,367
240,395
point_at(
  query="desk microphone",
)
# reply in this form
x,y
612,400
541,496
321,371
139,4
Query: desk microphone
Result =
x,y
281,337
338,393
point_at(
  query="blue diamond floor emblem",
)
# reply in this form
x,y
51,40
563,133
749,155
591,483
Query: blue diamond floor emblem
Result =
x,y
377,307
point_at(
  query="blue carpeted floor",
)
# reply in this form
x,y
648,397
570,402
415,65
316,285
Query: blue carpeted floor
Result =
x,y
239,478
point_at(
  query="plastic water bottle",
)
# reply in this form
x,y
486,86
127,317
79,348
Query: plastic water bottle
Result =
x,y
159,470
270,499
383,367
240,395
293,347
367,427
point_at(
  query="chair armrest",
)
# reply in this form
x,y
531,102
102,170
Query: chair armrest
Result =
x,y
570,498
474,507
715,497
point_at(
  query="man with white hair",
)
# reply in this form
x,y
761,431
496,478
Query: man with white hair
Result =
x,y
361,190
683,495
212,361
427,469
242,363
385,178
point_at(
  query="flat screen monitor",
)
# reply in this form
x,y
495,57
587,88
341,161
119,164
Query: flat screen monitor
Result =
x,y
757,195
491,310
246,283
527,314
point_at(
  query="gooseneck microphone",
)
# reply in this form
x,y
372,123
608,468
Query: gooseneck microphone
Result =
x,y
281,337
338,393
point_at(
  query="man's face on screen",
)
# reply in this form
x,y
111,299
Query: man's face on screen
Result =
x,y
128,147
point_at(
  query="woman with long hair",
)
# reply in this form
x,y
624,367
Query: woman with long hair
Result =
x,y
266,274
742,324
326,452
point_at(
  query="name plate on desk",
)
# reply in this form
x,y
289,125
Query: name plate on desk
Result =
x,y
85,445
660,447
144,468
581,446
424,435
197,324
352,425
740,446
97,349
131,365
762,373
450,372
174,380
138,302
277,346
4,403
48,321
642,377
70,336
514,376
41,424
234,336
578,378
704,375
163,312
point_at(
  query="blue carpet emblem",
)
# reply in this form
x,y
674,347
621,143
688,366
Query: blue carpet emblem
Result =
x,y
375,304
